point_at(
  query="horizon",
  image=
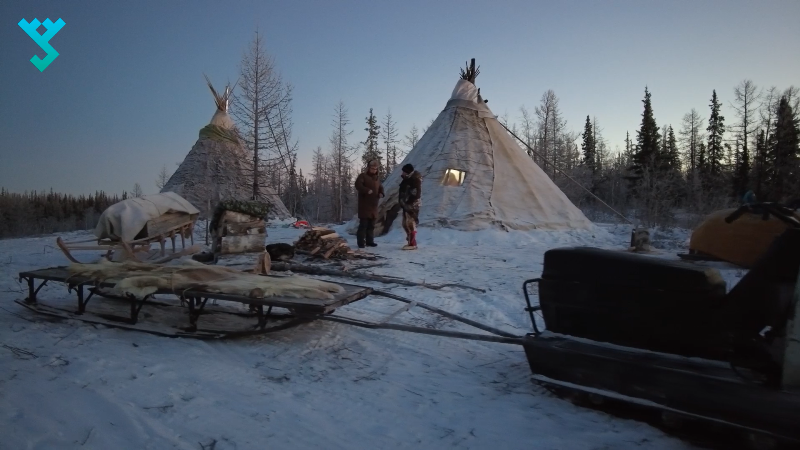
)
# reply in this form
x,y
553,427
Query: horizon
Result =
x,y
127,96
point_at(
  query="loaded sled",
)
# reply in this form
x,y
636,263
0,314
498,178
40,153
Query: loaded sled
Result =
x,y
665,336
126,230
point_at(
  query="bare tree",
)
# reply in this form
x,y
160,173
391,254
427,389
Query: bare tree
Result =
x,y
389,136
137,190
528,129
262,98
691,135
551,126
545,113
340,160
746,96
318,183
162,178
410,140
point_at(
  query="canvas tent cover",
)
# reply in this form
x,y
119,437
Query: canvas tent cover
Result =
x,y
502,185
124,220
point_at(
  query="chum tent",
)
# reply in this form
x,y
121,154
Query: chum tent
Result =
x,y
475,176
218,168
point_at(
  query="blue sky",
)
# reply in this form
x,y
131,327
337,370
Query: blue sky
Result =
x,y
127,95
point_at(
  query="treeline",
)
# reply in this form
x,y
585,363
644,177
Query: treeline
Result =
x,y
665,174
33,213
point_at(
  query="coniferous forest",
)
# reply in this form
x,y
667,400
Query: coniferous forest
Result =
x,y
34,213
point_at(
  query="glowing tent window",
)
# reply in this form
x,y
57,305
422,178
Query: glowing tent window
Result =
x,y
453,177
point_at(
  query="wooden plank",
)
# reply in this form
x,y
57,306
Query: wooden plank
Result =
x,y
329,236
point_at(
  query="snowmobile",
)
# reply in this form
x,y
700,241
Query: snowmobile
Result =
x,y
668,338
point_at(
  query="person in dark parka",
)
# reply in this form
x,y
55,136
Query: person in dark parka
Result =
x,y
369,188
410,199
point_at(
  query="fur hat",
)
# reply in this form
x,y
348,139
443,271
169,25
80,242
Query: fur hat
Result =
x,y
408,168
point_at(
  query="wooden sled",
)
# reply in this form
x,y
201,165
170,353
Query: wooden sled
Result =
x,y
156,231
178,314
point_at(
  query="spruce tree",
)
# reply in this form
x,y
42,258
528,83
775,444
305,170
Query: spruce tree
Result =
x,y
371,150
760,165
741,171
702,164
672,155
647,140
589,147
783,154
714,152
629,148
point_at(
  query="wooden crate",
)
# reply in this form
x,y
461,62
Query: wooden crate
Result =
x,y
239,233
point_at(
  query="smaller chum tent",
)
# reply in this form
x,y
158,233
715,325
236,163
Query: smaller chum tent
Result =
x,y
217,167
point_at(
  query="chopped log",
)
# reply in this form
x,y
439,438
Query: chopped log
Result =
x,y
315,270
323,242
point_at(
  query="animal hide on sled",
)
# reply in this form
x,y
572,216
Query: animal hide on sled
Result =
x,y
141,279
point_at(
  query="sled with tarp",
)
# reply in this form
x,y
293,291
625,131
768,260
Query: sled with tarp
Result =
x,y
667,338
128,229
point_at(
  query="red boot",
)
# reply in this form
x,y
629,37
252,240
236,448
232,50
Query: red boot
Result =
x,y
412,242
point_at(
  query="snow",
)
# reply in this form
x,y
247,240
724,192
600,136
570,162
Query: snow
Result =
x,y
320,385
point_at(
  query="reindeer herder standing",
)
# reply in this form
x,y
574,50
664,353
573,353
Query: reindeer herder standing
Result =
x,y
369,188
410,198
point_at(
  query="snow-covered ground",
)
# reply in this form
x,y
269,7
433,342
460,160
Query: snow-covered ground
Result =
x,y
322,385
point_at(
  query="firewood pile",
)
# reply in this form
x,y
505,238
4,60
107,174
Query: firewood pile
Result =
x,y
324,243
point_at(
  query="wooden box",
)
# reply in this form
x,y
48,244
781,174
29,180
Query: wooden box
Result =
x,y
239,233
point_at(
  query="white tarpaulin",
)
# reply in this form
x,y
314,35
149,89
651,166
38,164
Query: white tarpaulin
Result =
x,y
124,220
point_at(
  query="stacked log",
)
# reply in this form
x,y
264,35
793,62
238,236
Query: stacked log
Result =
x,y
236,232
325,243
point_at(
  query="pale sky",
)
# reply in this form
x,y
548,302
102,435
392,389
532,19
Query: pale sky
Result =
x,y
127,94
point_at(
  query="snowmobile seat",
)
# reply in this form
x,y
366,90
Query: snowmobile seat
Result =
x,y
633,300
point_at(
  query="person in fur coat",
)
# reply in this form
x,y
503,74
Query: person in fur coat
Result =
x,y
410,199
369,188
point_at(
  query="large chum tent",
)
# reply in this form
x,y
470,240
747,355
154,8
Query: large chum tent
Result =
x,y
217,167
475,176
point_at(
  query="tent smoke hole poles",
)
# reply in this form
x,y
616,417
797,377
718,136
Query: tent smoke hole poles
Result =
x,y
645,237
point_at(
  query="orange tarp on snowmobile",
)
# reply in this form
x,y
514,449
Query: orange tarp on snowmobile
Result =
x,y
741,242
